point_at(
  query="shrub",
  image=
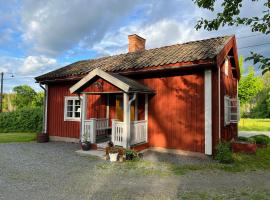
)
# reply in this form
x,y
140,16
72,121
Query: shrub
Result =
x,y
261,139
21,120
224,153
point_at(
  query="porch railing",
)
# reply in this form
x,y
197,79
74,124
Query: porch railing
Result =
x,y
118,136
94,127
138,132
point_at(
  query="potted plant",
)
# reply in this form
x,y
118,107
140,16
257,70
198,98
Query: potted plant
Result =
x,y
85,145
42,137
130,154
113,154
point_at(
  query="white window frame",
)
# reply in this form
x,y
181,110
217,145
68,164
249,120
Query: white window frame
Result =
x,y
231,109
73,98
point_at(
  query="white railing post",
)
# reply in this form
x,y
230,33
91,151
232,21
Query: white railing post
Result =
x,y
126,134
146,116
93,131
83,116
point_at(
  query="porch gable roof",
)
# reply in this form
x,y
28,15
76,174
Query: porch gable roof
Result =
x,y
122,82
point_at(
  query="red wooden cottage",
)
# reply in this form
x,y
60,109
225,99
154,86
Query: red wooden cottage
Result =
x,y
179,97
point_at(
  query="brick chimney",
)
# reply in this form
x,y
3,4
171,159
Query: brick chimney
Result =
x,y
135,43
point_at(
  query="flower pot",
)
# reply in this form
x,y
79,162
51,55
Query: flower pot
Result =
x,y
129,156
86,146
244,147
42,138
113,157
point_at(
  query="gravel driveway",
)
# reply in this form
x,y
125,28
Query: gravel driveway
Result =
x,y
54,171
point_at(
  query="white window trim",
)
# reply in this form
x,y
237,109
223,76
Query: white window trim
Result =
x,y
228,111
66,118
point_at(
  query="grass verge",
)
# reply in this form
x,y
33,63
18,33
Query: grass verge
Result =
x,y
17,137
242,163
254,124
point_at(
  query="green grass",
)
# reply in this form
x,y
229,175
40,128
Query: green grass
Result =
x,y
254,125
17,137
242,163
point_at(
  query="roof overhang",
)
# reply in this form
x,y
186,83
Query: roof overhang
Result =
x,y
123,83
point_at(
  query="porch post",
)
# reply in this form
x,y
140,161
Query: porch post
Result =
x,y
126,121
83,115
146,115
108,107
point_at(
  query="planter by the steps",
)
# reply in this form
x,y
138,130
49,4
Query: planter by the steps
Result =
x,y
113,157
85,146
42,137
244,147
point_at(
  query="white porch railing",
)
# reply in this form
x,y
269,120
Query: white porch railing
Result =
x,y
118,136
94,127
138,132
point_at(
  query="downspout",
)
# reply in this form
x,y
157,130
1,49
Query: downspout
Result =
x,y
44,127
219,106
129,106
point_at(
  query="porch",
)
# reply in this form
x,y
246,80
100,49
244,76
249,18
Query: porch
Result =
x,y
125,131
113,106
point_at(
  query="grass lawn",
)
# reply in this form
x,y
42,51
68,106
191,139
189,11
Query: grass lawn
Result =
x,y
254,125
17,137
242,163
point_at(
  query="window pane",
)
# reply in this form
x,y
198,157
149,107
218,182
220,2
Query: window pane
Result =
x,y
70,108
77,114
69,114
69,102
77,102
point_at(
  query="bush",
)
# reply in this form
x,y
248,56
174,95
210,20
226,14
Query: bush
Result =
x,y
224,153
261,139
21,120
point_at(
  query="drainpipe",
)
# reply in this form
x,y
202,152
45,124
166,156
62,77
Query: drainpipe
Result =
x,y
129,105
44,127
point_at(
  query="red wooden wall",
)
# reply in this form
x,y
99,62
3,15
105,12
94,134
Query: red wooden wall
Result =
x,y
56,125
229,88
176,111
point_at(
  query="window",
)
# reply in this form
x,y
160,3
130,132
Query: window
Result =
x,y
231,110
72,108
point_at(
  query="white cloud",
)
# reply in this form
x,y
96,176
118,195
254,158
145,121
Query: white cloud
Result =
x,y
27,65
35,63
56,26
161,33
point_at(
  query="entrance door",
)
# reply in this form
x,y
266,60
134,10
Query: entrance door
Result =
x,y
120,109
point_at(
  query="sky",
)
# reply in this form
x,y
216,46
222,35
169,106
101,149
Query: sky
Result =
x,y
37,36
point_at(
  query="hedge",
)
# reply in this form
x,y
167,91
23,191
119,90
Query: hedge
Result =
x,y
22,120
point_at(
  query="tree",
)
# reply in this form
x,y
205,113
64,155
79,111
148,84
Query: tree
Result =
x,y
24,96
230,16
38,99
249,86
262,108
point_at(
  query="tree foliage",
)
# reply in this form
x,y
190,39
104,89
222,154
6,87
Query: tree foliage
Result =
x,y
249,86
24,96
230,15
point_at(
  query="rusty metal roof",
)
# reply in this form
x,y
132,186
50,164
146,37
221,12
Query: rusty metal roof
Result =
x,y
186,52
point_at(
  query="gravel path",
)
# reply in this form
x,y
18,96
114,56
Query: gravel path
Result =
x,y
54,171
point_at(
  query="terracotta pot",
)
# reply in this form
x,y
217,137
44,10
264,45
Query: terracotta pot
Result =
x,y
244,147
85,146
42,138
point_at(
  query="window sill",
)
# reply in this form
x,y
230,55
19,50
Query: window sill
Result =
x,y
72,119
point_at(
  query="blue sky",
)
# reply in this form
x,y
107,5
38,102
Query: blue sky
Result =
x,y
37,36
